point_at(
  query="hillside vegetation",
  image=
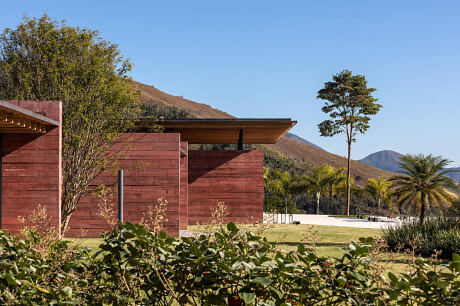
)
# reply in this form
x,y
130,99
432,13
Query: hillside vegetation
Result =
x,y
288,147
152,95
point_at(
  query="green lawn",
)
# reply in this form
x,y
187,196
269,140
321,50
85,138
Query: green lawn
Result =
x,y
328,240
92,243
287,236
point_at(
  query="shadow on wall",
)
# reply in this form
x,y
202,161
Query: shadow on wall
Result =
x,y
199,167
14,142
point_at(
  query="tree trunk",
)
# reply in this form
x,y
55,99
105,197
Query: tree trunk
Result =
x,y
285,215
348,178
378,206
318,195
423,208
68,206
64,223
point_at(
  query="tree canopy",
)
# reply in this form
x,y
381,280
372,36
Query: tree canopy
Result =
x,y
380,190
349,103
321,180
43,59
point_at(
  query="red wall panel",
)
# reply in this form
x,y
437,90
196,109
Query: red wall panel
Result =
x,y
233,177
184,186
151,164
31,168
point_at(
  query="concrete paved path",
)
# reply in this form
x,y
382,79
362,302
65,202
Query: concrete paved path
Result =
x,y
337,221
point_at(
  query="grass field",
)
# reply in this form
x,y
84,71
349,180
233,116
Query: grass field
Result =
x,y
328,240
287,236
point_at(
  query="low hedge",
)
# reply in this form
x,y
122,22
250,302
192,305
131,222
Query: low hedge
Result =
x,y
231,266
433,235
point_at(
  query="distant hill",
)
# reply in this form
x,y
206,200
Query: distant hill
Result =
x,y
388,160
301,140
296,147
317,157
455,175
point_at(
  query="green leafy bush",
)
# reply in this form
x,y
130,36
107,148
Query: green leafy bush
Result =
x,y
28,276
230,266
434,234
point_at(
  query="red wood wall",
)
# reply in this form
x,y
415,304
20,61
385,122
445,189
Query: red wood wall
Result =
x,y
192,182
183,186
234,177
151,164
31,169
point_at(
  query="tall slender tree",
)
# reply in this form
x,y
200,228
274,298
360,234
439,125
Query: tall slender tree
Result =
x,y
349,103
423,183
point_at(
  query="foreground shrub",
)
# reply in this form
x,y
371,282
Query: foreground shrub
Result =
x,y
28,276
435,234
231,266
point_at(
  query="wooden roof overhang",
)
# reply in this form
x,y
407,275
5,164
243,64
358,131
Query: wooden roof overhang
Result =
x,y
15,119
226,131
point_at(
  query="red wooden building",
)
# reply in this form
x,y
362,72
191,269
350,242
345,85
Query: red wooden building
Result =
x,y
156,165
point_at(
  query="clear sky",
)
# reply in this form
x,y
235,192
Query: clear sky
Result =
x,y
269,58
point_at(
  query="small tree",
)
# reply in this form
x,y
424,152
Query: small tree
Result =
x,y
280,183
379,189
336,177
423,183
43,59
349,102
318,182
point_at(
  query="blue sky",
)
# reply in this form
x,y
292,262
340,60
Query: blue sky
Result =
x,y
269,58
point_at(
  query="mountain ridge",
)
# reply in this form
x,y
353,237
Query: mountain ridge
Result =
x,y
301,140
388,160
385,159
286,146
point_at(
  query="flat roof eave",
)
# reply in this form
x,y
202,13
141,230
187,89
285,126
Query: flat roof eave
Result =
x,y
15,119
225,131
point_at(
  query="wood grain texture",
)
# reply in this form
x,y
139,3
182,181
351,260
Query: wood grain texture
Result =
x,y
31,168
151,164
183,220
233,177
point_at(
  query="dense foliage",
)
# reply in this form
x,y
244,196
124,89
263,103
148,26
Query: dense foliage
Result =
x,y
155,111
379,189
45,60
322,179
276,160
435,234
280,188
229,266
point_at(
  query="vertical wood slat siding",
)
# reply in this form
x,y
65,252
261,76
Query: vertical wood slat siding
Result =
x,y
31,169
184,187
151,170
233,177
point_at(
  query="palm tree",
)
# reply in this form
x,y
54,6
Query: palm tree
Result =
x,y
379,189
336,178
423,183
318,182
280,183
